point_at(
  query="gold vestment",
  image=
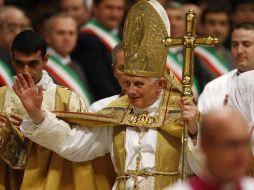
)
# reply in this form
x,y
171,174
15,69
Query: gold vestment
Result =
x,y
44,169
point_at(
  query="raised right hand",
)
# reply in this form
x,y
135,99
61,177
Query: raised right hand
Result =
x,y
31,98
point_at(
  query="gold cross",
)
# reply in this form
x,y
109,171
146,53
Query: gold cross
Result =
x,y
190,40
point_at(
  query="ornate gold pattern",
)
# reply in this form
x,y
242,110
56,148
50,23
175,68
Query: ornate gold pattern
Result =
x,y
142,120
144,31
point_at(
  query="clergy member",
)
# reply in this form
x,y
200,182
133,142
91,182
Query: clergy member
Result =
x,y
225,142
145,144
242,96
33,166
217,91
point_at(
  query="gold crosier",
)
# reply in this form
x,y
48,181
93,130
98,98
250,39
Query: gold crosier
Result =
x,y
190,40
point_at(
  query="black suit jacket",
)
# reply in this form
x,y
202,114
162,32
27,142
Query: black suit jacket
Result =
x,y
95,59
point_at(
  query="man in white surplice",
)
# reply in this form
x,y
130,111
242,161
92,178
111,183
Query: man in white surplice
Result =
x,y
146,97
243,95
230,86
217,91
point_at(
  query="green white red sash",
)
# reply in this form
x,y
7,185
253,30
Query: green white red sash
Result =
x,y
209,56
175,65
67,77
106,37
6,76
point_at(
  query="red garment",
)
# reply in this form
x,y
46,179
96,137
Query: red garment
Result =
x,y
199,184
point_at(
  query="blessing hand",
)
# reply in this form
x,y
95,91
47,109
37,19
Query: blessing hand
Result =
x,y
31,98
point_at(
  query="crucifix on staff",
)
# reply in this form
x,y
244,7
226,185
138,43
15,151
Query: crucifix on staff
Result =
x,y
190,40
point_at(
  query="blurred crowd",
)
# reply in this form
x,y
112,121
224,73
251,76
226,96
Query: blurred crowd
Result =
x,y
82,33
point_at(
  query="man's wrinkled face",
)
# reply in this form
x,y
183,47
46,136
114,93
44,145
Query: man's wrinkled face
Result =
x,y
141,91
29,63
242,48
109,13
217,24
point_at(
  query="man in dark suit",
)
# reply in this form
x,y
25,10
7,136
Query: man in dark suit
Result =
x,y
96,41
61,36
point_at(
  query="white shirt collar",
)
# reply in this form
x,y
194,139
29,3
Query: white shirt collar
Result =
x,y
46,81
65,60
152,108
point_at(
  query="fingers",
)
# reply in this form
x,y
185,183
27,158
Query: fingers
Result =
x,y
189,110
15,119
17,83
187,101
23,81
188,115
3,121
29,80
14,122
16,91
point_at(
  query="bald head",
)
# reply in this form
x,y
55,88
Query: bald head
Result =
x,y
221,119
226,144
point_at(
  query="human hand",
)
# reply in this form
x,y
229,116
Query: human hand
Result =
x,y
25,89
15,119
31,98
190,114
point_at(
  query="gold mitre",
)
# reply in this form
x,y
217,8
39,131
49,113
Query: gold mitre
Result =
x,y
145,28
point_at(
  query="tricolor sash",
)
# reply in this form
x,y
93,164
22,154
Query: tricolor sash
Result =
x,y
176,66
210,57
106,36
6,76
67,77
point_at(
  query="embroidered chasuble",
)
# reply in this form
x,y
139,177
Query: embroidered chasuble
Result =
x,y
168,124
168,145
43,169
